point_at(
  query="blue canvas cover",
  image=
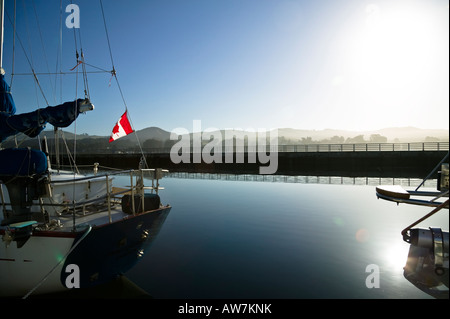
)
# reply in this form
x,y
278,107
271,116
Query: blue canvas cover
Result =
x,y
22,162
32,123
6,101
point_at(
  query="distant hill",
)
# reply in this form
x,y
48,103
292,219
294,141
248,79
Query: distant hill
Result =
x,y
395,134
413,134
154,137
154,133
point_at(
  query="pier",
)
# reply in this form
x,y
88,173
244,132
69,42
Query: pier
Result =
x,y
409,160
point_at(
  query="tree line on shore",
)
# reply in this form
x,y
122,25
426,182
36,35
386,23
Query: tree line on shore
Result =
x,y
89,144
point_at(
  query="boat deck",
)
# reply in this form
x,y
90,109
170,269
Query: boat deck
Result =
x,y
92,219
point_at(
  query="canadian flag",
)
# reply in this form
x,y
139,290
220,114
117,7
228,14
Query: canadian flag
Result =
x,y
122,128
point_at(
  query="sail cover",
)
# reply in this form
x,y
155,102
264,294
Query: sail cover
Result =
x,y
6,101
22,162
32,123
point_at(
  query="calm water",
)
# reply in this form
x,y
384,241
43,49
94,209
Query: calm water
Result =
x,y
235,239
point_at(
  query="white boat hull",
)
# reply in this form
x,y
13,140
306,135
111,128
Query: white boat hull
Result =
x,y
104,235
22,269
101,252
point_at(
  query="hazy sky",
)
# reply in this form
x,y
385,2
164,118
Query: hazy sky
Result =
x,y
344,64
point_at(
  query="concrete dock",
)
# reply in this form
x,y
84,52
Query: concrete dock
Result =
x,y
413,164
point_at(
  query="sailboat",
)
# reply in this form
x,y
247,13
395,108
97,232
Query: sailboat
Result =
x,y
62,230
427,265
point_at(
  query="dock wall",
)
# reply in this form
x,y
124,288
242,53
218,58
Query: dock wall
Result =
x,y
413,164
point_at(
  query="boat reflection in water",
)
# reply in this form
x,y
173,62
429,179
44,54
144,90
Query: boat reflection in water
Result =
x,y
118,288
427,265
422,272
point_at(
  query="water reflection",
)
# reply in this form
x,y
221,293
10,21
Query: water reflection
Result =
x,y
232,239
120,288
395,256
305,179
421,272
286,237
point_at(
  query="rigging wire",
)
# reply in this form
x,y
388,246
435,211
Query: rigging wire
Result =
x,y
43,47
59,52
75,137
27,58
83,65
13,48
31,56
80,60
107,37
114,74
64,73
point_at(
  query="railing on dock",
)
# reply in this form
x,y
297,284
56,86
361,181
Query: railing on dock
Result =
x,y
366,147
310,148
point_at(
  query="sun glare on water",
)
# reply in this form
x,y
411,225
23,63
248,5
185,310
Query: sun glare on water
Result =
x,y
395,256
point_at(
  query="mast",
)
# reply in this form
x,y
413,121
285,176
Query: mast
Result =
x,y
1,32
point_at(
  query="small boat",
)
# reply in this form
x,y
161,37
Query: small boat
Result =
x,y
62,230
53,221
102,238
427,265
